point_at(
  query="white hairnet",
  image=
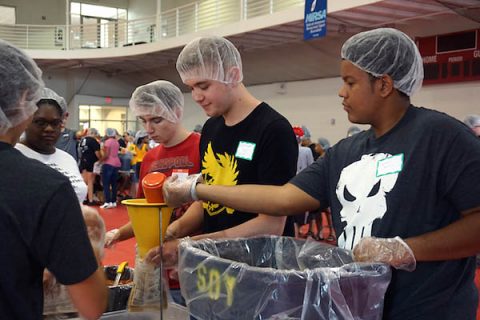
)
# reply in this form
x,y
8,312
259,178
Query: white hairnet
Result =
x,y
324,143
210,58
20,85
92,132
387,51
472,121
110,132
160,98
198,128
353,130
49,94
306,133
139,135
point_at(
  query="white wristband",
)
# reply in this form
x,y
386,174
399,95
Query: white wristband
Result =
x,y
193,191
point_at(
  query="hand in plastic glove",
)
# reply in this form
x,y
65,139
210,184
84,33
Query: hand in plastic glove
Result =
x,y
95,228
111,237
172,231
153,256
48,279
393,251
177,191
169,252
49,283
173,274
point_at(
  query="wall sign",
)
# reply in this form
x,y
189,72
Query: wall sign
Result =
x,y
315,19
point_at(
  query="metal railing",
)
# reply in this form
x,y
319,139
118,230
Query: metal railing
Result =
x,y
194,17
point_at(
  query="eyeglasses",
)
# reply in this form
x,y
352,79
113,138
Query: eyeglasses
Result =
x,y
42,123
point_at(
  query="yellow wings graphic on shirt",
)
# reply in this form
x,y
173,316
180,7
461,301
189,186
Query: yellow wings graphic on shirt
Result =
x,y
219,169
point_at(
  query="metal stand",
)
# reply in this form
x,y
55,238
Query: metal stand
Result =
x,y
161,261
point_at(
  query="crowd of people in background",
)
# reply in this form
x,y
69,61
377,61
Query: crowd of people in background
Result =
x,y
109,163
110,172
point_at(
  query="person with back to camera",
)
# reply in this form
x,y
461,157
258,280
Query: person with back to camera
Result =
x,y
89,154
110,166
244,141
39,144
405,192
41,218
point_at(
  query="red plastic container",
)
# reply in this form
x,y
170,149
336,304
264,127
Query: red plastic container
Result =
x,y
152,187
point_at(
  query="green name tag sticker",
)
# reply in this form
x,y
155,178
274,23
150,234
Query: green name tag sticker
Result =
x,y
245,150
390,165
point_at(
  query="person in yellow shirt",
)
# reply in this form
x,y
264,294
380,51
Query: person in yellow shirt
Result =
x,y
138,149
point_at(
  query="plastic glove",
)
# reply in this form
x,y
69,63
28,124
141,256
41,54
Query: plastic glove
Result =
x,y
153,256
392,251
95,228
177,191
172,231
49,282
146,293
169,254
111,237
56,299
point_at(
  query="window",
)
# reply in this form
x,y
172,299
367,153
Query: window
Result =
x,y
103,117
96,26
7,15
457,41
78,9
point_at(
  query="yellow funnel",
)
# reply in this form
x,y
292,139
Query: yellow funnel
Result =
x,y
146,224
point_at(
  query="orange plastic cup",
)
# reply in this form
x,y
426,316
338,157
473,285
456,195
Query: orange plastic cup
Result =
x,y
152,187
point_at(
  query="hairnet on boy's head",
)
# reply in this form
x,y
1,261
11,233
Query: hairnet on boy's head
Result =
x,y
472,121
20,85
210,58
387,51
49,94
160,98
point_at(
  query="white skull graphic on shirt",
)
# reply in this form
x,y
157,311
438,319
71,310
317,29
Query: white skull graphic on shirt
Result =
x,y
362,194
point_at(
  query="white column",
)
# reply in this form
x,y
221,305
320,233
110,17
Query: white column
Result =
x,y
158,22
67,25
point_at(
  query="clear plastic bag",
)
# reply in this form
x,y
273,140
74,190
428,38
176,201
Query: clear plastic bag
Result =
x,y
149,291
56,300
278,278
